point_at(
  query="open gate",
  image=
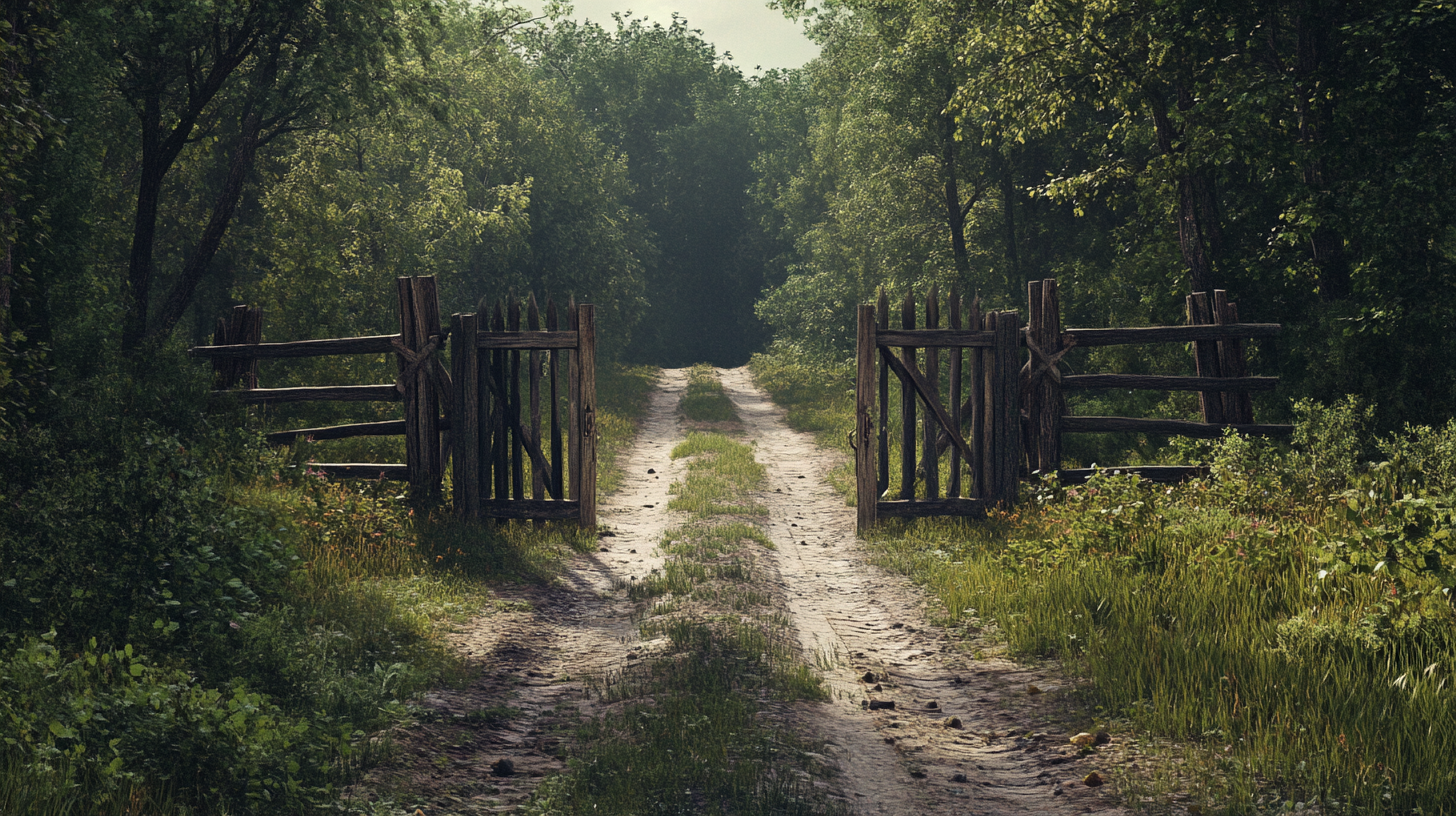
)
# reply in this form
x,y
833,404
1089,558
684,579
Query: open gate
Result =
x,y
500,432
983,357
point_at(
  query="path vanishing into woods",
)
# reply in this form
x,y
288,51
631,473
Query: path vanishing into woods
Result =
x,y
864,627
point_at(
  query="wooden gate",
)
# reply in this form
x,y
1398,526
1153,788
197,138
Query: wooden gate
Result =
x,y
983,358
237,348
498,430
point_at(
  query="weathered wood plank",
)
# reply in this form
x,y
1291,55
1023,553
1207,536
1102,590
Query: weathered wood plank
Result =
x,y
1006,416
382,344
1163,474
974,508
1169,427
527,340
866,473
554,375
953,487
882,432
915,383
907,403
573,409
1238,407
501,450
587,330
328,393
977,406
530,509
391,427
1205,357
1168,334
513,394
940,338
1155,382
929,458
533,376
464,358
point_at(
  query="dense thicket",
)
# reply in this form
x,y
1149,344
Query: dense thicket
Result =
x,y
1296,154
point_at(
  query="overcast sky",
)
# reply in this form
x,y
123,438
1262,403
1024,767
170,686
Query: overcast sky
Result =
x,y
753,33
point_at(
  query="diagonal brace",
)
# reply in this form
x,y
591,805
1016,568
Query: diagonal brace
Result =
x,y
910,375
532,446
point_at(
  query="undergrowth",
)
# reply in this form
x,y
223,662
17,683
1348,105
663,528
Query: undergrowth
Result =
x,y
704,400
1287,622
194,625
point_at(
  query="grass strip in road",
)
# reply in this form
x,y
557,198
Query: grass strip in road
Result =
x,y
720,478
704,400
698,724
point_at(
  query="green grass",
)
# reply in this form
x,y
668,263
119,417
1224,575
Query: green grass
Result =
x,y
1272,643
704,400
720,479
277,713
685,729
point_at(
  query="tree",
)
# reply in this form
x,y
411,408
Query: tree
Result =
x,y
238,72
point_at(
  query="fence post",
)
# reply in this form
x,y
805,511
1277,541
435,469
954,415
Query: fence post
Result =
x,y
953,489
1045,391
930,452
419,325
1238,407
882,321
243,325
866,474
573,403
1205,357
465,424
586,360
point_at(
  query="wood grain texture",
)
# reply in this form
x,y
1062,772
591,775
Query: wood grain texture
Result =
x,y
1169,334
866,472
381,344
1155,382
1169,427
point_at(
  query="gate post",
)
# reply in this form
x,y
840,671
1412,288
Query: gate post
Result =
x,y
586,366
866,476
419,326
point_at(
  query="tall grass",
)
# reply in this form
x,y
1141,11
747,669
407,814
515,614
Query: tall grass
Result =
x,y
1288,621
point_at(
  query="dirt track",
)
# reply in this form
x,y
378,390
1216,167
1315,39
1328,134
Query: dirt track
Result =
x,y
854,617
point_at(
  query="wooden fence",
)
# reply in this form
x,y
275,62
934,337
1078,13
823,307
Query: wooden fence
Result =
x,y
501,430
1222,380
494,429
1015,412
420,384
981,357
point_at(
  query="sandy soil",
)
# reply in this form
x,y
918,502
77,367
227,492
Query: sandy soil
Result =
x,y
865,627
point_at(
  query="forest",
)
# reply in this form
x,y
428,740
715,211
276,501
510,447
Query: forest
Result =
x,y
167,577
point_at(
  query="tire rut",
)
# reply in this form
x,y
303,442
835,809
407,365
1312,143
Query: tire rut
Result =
x,y
858,619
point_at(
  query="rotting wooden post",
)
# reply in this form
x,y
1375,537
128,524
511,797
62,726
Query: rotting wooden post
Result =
x,y
929,454
587,367
866,471
990,410
573,406
953,489
465,424
1047,408
1006,416
533,323
427,311
242,326
1029,379
1238,407
1205,357
553,375
882,433
411,342
978,406
513,385
500,446
907,406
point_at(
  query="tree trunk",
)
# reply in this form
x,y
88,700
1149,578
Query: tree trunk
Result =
x,y
1314,25
1199,232
223,207
954,213
136,295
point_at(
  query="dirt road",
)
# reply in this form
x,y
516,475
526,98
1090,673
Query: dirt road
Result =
x,y
863,626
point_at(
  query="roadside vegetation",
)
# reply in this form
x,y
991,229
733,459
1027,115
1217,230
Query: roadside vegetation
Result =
x,y
1283,628
704,400
243,656
685,729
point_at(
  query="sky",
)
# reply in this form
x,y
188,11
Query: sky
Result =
x,y
756,35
